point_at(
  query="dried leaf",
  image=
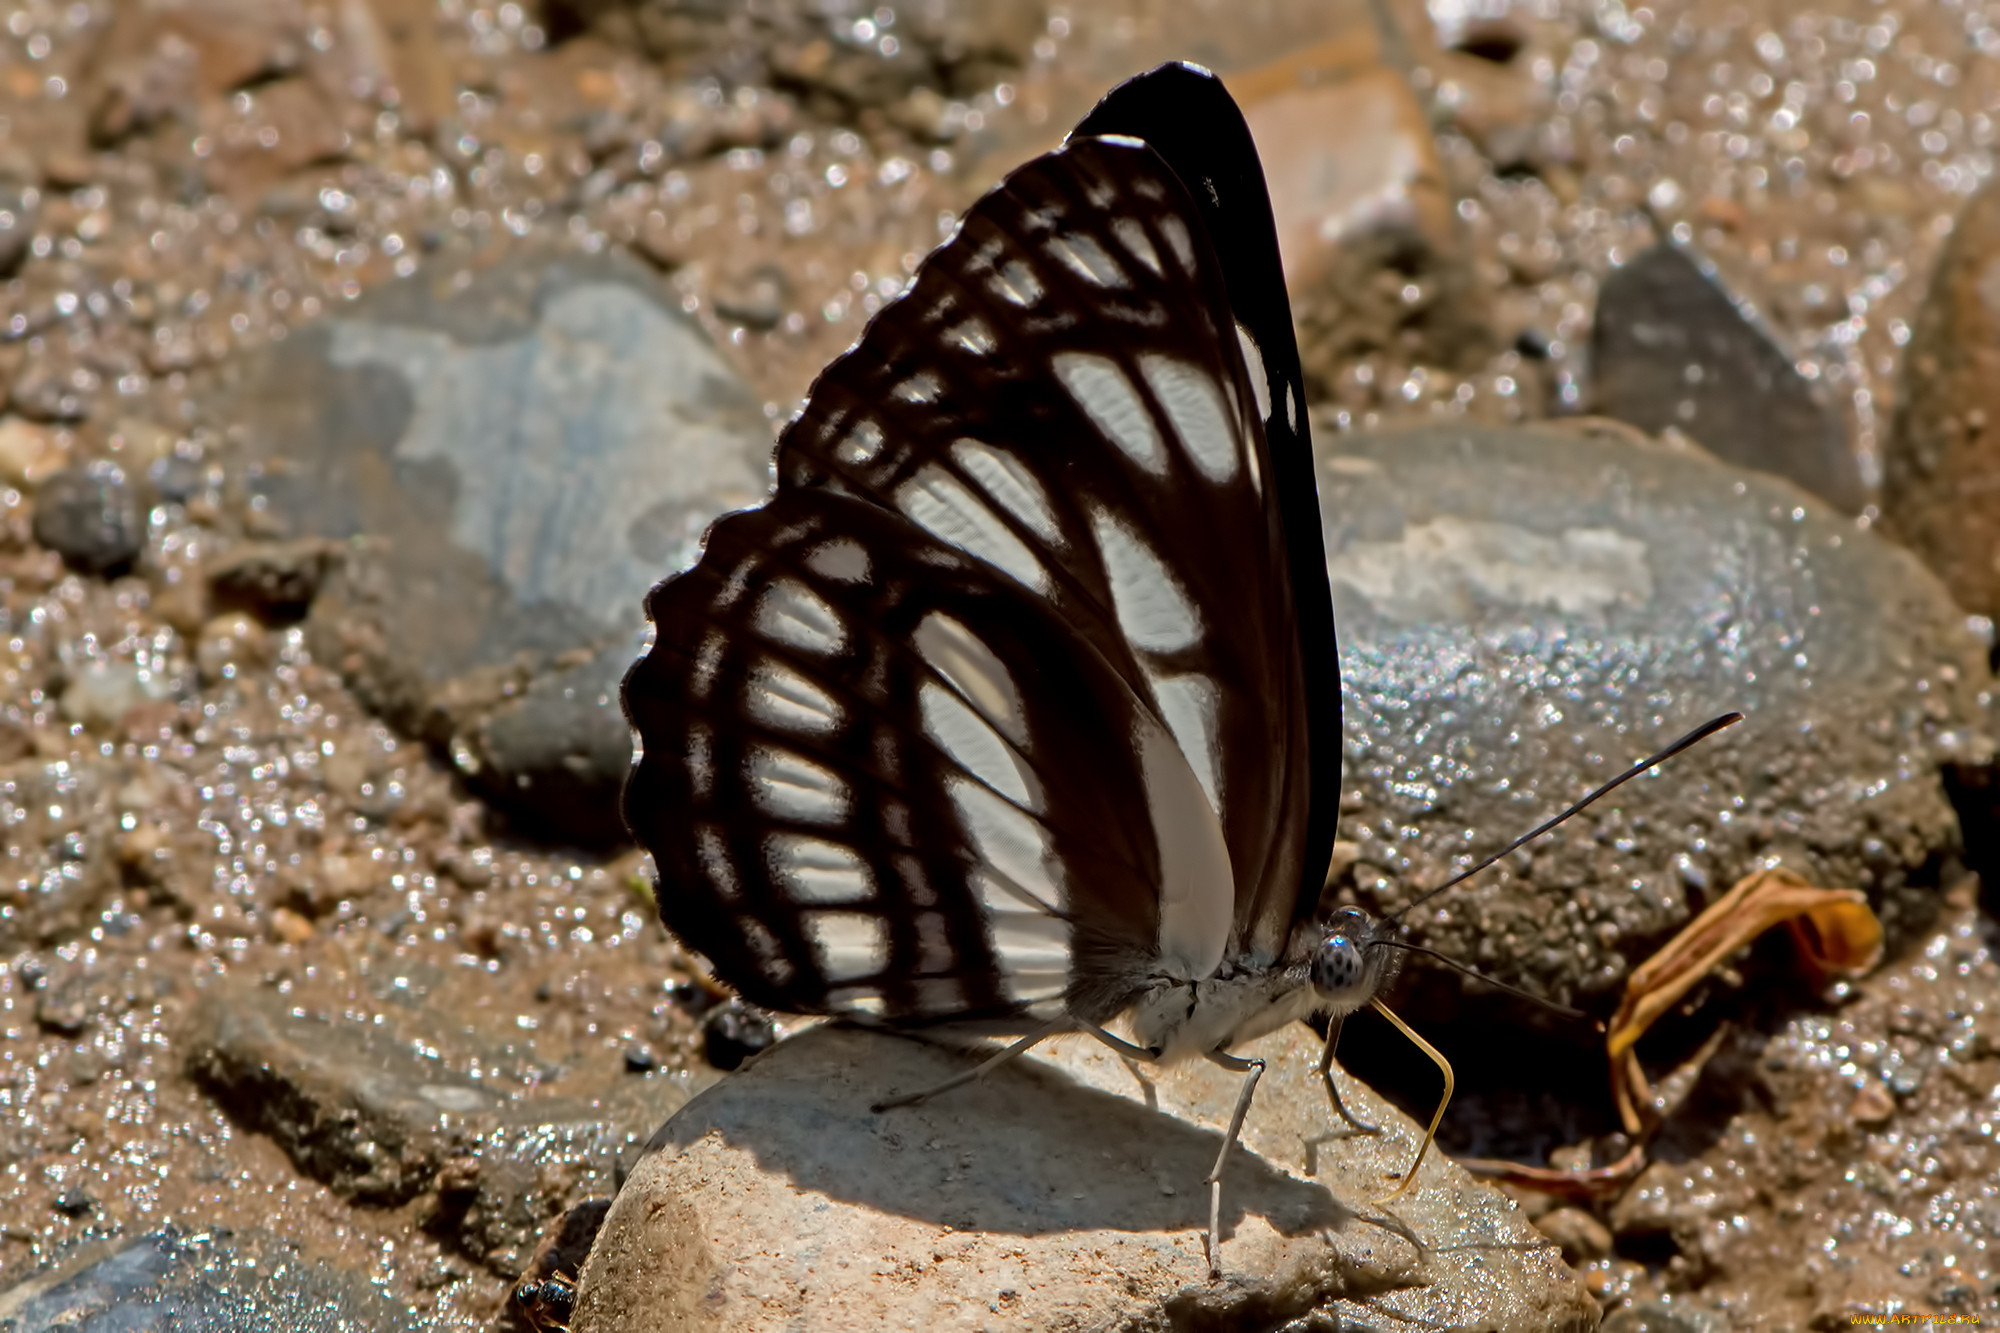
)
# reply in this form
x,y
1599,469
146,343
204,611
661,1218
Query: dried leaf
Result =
x,y
1596,1183
1837,933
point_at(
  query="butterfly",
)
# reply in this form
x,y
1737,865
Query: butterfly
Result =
x,y
1015,710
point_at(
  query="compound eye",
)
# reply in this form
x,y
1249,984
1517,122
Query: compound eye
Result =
x,y
1336,966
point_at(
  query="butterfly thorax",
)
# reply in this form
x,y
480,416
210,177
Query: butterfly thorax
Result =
x,y
1333,967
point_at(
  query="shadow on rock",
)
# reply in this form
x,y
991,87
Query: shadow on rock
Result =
x,y
1029,1150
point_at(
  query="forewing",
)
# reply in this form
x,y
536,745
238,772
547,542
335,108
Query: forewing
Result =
x,y
1063,395
1186,116
879,775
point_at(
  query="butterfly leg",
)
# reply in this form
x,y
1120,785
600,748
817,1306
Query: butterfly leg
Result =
x,y
1410,1176
1255,1070
1333,1093
980,1070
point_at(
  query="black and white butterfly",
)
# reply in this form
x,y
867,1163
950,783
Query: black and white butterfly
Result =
x,y
1016,708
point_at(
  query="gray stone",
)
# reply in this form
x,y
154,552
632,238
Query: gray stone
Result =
x,y
510,460
1941,461
1062,1191
90,517
1522,613
356,1106
1672,347
166,1282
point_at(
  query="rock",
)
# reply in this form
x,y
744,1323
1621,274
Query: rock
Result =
x,y
1652,1317
733,1032
205,1284
228,644
51,389
1501,108
102,694
1373,253
76,996
1060,1191
1872,1107
1670,346
1581,1236
509,463
65,1009
160,62
1943,453
545,1297
89,516
59,864
1523,613
277,580
19,204
756,299
75,1203
358,1109
29,454
838,61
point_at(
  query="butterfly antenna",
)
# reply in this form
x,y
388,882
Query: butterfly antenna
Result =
x,y
1693,738
1561,1010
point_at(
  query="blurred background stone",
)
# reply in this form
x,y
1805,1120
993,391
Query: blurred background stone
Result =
x,y
1941,469
507,463
1672,348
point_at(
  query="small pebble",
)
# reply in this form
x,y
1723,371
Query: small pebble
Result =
x,y
735,1031
1872,1107
103,694
1582,1237
29,454
74,1203
230,643
89,517
290,927
639,1060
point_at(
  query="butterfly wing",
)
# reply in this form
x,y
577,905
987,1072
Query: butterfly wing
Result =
x,y
1058,421
1186,116
1064,394
881,775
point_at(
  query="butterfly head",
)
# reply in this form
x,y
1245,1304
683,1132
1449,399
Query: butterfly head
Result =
x,y
1352,964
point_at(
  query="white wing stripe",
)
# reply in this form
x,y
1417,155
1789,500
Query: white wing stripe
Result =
x,y
789,786
794,615
1082,254
1253,361
1153,612
849,944
1179,241
1010,843
1016,284
1111,401
1190,705
971,668
938,503
782,698
1013,486
842,560
1193,402
1197,888
818,871
974,746
1133,237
